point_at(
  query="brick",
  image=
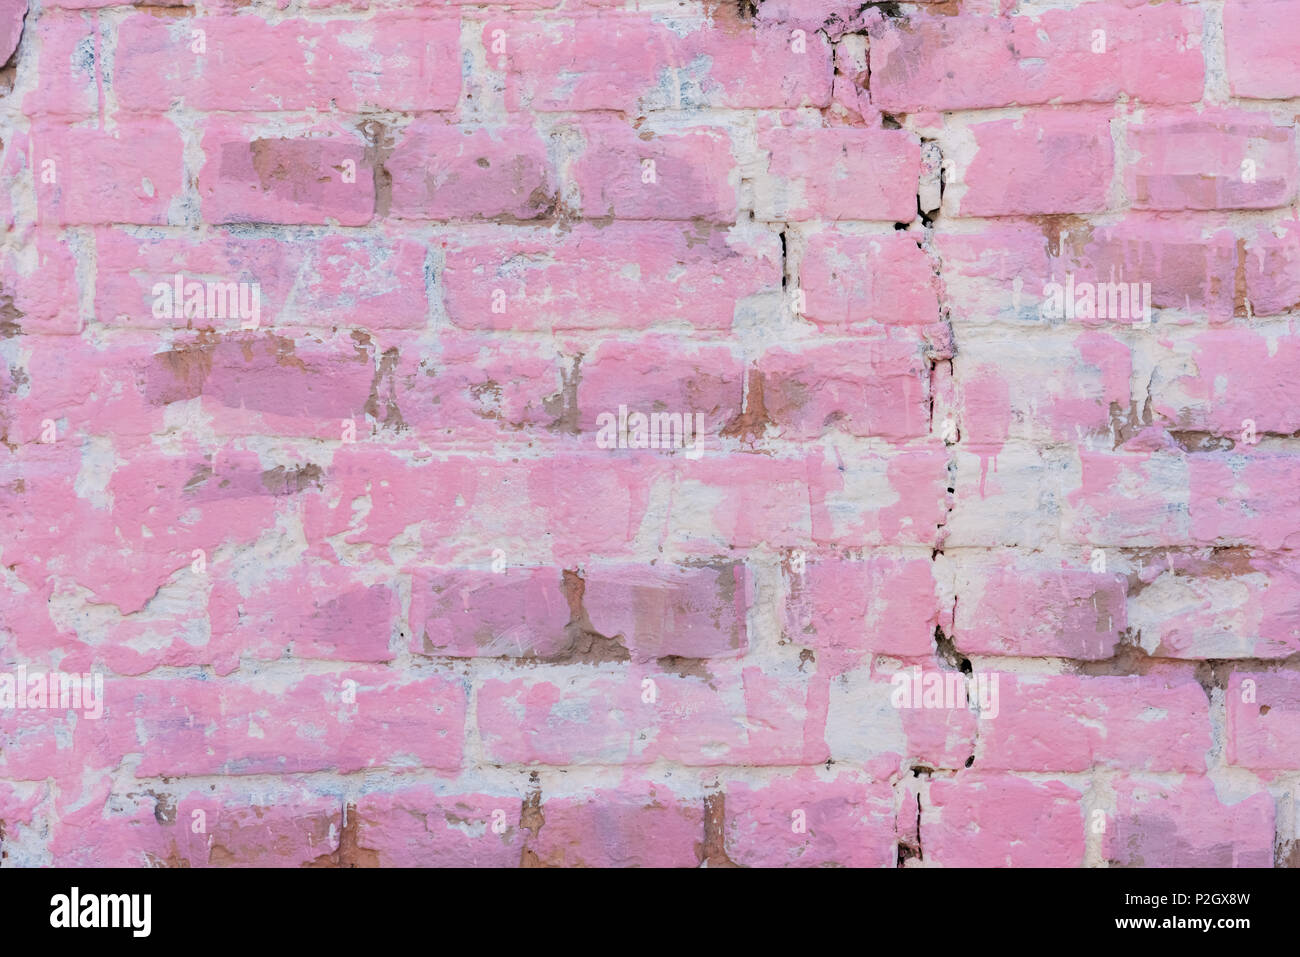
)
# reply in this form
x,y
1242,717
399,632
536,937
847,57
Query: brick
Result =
x,y
1263,727
853,281
11,28
1071,723
515,612
70,75
1260,36
1012,606
1158,824
1211,160
1003,393
970,61
375,281
629,174
864,388
886,605
287,828
838,174
1267,267
1002,271
659,375
1251,502
252,381
49,305
981,821
639,824
318,613
390,62
1062,163
866,726
680,611
628,62
741,716
419,827
251,175
625,276
845,821
86,184
1202,605
445,172
1214,381
233,727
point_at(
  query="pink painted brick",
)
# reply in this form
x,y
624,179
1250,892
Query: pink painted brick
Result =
x,y
1250,502
637,824
11,27
472,389
1043,162
516,612
70,76
1112,504
629,62
1202,605
909,488
1017,607
130,175
660,375
1002,270
18,809
419,827
311,613
447,172
862,387
252,382
995,820
1161,824
1268,263
738,716
1263,731
1002,393
839,173
629,174
1261,37
1211,160
39,282
235,726
288,827
885,605
1074,723
844,820
390,62
1229,376
969,61
851,281
254,175
159,508
375,281
754,500
680,611
464,504
626,275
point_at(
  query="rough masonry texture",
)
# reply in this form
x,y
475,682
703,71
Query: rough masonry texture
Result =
x,y
340,344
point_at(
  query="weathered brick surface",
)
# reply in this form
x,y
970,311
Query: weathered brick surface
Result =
x,y
560,433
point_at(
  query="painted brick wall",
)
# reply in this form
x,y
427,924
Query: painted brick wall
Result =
x,y
340,344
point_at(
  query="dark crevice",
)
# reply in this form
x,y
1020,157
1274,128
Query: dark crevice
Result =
x,y
949,654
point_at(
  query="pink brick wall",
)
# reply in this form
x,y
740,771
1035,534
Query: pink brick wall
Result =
x,y
967,327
